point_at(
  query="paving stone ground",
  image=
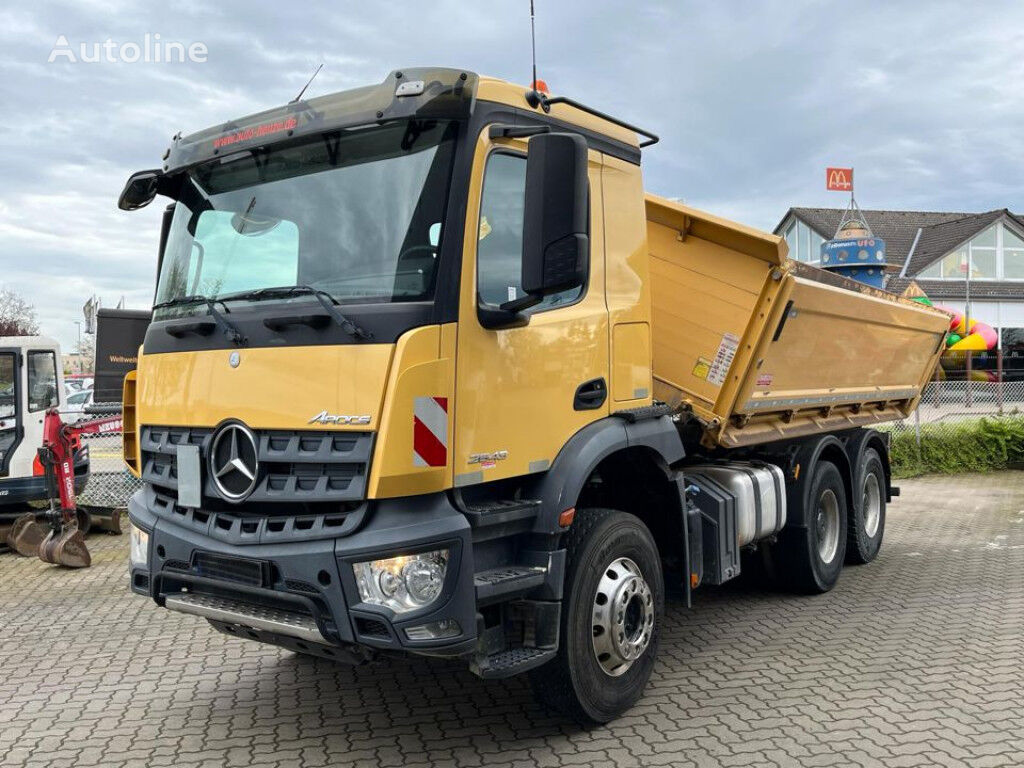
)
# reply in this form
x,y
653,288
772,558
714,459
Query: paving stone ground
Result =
x,y
915,660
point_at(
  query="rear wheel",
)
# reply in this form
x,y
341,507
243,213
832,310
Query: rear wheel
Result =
x,y
867,522
811,557
611,616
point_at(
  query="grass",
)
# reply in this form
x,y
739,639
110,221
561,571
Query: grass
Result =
x,y
984,445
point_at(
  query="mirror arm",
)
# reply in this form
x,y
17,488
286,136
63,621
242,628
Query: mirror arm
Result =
x,y
495,318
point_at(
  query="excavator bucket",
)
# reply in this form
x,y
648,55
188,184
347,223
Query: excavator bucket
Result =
x,y
66,547
26,535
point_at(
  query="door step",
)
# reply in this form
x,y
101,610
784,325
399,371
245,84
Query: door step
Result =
x,y
512,662
501,512
499,583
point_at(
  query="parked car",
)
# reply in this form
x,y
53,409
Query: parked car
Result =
x,y
77,401
77,383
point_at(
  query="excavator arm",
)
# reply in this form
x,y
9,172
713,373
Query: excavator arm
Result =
x,y
61,542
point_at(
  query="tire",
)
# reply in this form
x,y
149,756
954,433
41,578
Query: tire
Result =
x,y
867,519
577,682
810,558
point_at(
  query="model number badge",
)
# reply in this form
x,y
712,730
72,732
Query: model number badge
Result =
x,y
487,458
333,418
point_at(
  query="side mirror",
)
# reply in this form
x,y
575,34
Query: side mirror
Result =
x,y
556,224
139,190
556,240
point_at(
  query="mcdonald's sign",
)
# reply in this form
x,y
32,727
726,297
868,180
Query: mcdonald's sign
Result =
x,y
840,179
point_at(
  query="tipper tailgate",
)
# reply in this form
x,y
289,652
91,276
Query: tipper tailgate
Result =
x,y
760,347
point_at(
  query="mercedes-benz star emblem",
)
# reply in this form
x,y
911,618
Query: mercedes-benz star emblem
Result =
x,y
234,461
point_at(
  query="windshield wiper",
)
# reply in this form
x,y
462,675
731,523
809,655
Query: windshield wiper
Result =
x,y
326,301
230,332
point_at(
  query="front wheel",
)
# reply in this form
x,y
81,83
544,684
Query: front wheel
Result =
x,y
612,612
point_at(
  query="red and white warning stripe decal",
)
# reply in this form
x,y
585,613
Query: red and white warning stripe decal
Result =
x,y
430,431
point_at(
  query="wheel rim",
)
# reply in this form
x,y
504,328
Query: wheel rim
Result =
x,y
872,505
827,525
623,617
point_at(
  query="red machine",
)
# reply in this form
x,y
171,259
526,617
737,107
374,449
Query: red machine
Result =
x,y
62,543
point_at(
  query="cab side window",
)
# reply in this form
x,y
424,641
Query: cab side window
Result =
x,y
7,389
500,235
42,381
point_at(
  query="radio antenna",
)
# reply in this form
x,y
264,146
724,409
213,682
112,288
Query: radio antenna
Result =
x,y
310,82
533,49
533,97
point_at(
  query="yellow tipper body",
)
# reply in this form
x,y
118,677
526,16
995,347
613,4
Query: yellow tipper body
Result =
x,y
760,347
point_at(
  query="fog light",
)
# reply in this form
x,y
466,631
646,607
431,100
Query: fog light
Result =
x,y
435,630
404,583
138,546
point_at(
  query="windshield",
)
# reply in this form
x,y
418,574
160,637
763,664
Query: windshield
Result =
x,y
355,213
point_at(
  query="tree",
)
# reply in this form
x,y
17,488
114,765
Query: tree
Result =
x,y
87,353
17,316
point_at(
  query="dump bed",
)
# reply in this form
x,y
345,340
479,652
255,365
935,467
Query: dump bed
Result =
x,y
759,347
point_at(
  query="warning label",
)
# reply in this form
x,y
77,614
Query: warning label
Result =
x,y
765,380
723,359
702,368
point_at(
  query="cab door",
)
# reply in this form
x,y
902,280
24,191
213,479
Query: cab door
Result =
x,y
522,392
42,381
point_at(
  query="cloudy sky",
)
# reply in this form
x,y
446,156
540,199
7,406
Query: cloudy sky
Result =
x,y
752,100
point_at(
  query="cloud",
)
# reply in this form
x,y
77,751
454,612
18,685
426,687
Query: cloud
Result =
x,y
752,101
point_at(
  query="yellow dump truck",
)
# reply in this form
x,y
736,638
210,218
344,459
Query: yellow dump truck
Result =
x,y
429,372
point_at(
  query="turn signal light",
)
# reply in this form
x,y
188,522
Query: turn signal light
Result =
x,y
565,519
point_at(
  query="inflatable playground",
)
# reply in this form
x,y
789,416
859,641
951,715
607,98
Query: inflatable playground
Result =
x,y
967,338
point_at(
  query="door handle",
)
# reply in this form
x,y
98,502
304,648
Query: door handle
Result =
x,y
590,395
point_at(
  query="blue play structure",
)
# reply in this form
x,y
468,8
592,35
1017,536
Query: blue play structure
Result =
x,y
854,252
861,259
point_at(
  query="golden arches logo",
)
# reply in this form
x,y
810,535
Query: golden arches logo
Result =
x,y
839,179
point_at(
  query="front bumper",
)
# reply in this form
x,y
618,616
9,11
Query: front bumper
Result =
x,y
306,581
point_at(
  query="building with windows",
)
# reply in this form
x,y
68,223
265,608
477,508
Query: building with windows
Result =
x,y
951,256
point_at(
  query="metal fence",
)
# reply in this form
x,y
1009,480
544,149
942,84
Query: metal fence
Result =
x,y
946,405
110,483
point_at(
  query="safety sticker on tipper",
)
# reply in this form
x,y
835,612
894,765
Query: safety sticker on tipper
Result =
x,y
723,359
702,368
765,379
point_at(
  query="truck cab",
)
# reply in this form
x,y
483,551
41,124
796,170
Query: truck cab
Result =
x,y
398,392
31,381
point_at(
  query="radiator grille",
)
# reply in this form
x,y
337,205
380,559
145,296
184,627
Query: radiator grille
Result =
x,y
293,466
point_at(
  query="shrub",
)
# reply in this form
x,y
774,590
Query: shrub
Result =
x,y
976,446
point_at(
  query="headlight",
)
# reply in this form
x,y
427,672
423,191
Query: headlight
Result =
x,y
138,553
402,583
